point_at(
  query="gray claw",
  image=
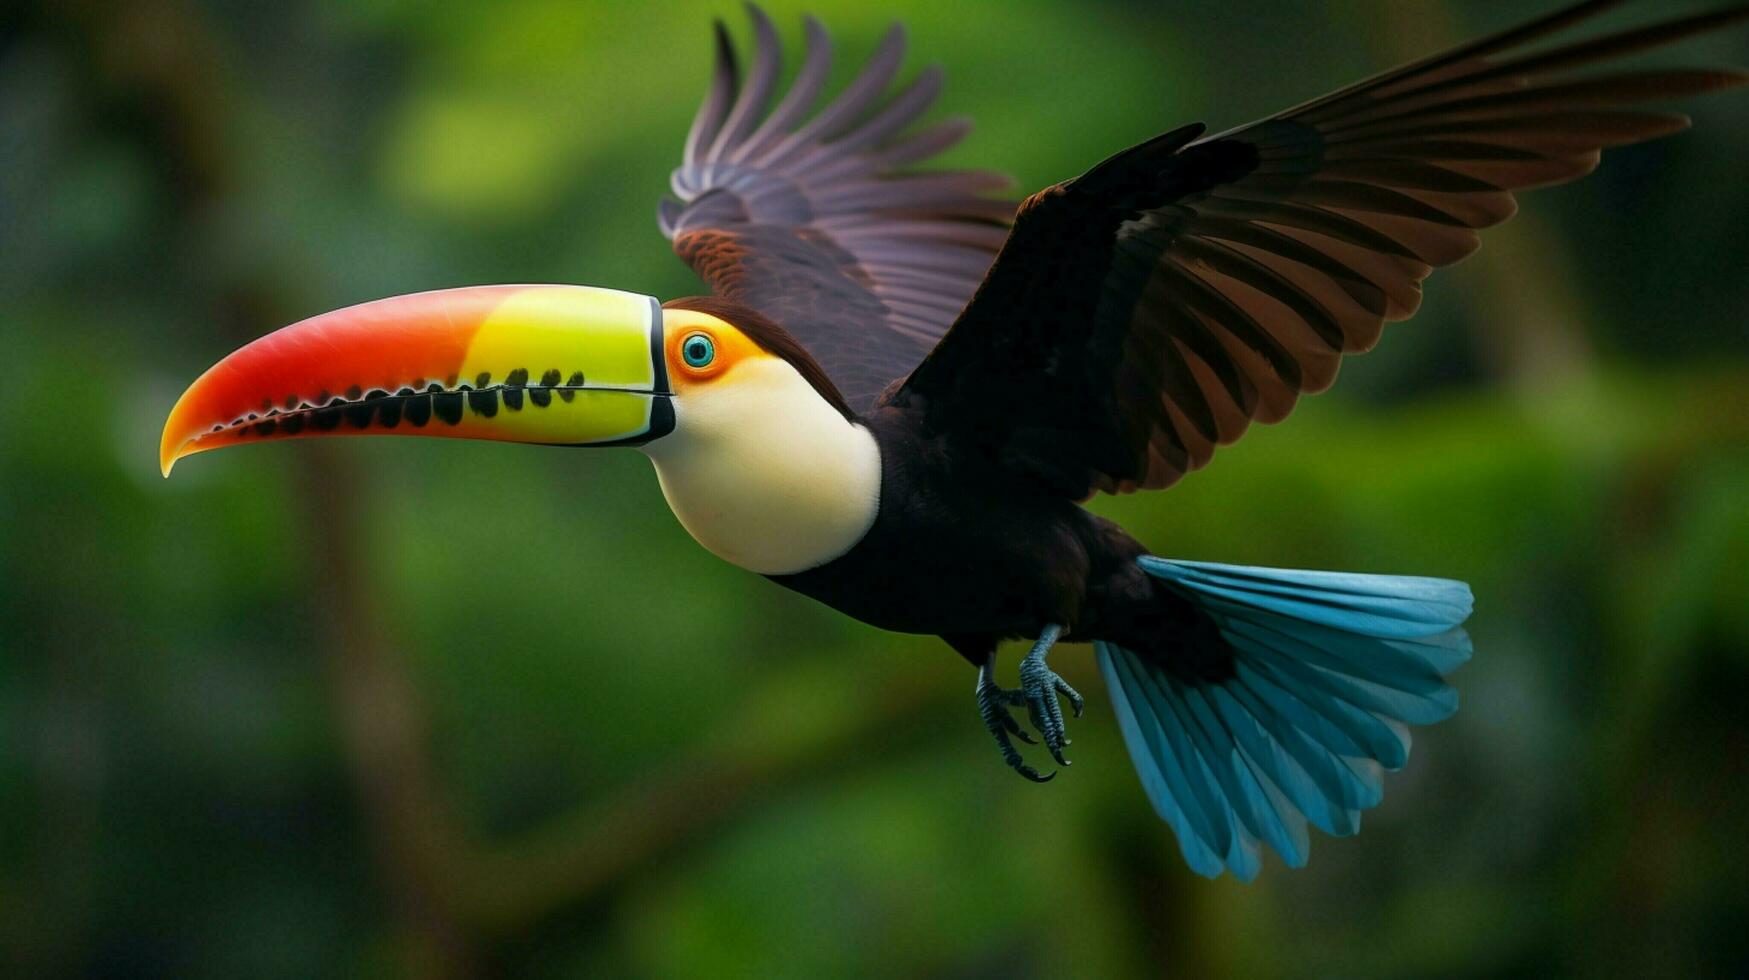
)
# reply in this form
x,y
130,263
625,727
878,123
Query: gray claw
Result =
x,y
992,707
1000,724
1040,688
1076,701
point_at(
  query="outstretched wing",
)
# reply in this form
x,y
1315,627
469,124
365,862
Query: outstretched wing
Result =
x,y
1148,311
807,218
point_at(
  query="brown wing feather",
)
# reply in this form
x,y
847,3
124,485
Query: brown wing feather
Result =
x,y
1146,312
808,219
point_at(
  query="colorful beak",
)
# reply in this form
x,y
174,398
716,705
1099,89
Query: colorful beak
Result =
x,y
557,365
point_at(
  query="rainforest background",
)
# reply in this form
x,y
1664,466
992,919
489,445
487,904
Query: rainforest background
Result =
x,y
431,709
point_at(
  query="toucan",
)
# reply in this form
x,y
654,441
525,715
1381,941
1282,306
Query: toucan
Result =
x,y
903,388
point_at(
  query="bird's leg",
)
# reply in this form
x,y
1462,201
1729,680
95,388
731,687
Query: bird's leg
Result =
x,y
993,704
1039,687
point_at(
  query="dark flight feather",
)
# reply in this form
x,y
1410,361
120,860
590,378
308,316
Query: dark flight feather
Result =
x,y
808,219
1147,311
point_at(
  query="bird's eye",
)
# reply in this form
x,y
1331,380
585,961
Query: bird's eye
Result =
x,y
698,351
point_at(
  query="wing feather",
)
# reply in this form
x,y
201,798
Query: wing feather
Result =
x,y
809,217
1148,311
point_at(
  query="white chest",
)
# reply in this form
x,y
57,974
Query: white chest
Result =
x,y
765,474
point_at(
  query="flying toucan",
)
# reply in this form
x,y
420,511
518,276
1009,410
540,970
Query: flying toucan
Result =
x,y
903,388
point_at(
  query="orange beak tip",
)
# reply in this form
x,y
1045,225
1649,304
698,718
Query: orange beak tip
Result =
x,y
170,446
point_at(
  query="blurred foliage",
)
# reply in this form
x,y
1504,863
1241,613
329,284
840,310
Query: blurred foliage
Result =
x,y
388,706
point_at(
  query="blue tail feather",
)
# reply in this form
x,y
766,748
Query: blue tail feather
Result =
x,y
1386,606
1329,670
1420,697
1248,791
1159,769
1266,752
1345,790
1229,839
1371,736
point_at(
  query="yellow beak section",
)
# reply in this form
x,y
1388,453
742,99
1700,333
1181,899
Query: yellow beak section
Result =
x,y
559,365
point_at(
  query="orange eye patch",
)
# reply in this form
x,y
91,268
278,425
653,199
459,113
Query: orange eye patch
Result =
x,y
701,347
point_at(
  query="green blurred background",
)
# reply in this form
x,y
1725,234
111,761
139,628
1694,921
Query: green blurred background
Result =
x,y
419,708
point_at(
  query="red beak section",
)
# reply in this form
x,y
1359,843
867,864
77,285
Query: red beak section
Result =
x,y
571,365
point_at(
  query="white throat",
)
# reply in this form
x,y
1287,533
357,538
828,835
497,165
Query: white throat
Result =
x,y
765,473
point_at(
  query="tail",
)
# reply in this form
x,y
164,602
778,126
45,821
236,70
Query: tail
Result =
x,y
1329,669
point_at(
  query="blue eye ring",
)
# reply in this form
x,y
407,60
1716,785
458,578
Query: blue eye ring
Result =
x,y
698,350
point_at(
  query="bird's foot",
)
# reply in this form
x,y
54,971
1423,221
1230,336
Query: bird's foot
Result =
x,y
1039,688
993,702
1038,691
